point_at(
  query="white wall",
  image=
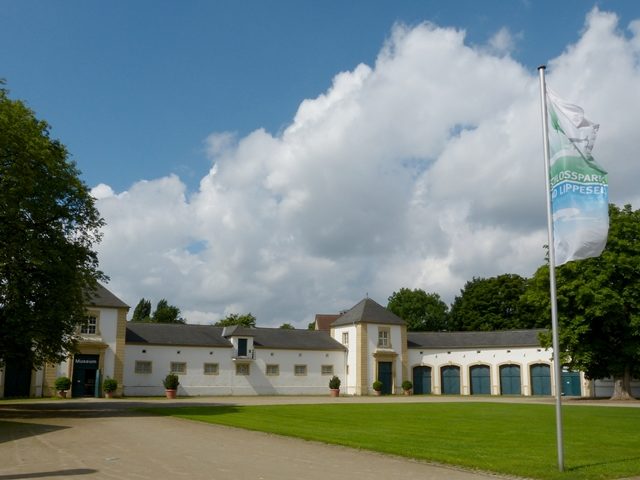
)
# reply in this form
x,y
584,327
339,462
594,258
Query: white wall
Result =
x,y
347,375
195,382
494,357
108,330
604,388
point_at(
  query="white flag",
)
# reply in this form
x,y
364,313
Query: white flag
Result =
x,y
579,187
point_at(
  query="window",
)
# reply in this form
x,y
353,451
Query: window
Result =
x,y
345,338
300,370
383,338
327,369
143,367
242,369
273,370
90,327
211,369
179,368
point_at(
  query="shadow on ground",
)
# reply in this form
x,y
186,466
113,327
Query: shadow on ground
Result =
x,y
56,473
10,431
92,409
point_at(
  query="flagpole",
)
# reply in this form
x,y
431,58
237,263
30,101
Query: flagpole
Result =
x,y
552,274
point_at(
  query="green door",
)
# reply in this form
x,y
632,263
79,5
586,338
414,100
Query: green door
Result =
x,y
510,380
385,375
84,375
480,380
242,347
450,380
571,384
540,379
421,380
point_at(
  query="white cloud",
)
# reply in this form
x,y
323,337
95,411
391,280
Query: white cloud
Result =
x,y
423,170
503,42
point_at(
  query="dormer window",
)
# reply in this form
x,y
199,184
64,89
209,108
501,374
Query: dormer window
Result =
x,y
90,327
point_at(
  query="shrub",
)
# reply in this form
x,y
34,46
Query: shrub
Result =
x,y
407,385
171,381
334,383
62,383
377,385
109,385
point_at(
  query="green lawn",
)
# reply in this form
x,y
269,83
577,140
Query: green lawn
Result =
x,y
516,439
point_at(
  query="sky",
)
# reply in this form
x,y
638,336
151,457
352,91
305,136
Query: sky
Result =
x,y
289,158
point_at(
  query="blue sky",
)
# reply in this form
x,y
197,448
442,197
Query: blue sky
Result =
x,y
133,88
287,158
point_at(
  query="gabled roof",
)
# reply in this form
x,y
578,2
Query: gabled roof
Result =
x,y
176,334
324,320
504,338
104,298
208,336
368,311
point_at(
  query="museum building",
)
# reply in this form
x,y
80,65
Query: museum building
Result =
x,y
360,345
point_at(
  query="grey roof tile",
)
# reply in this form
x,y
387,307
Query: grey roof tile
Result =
x,y
209,336
505,338
176,334
104,298
368,311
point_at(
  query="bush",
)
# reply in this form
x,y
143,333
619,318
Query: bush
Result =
x,y
171,381
62,383
334,383
377,385
407,385
109,385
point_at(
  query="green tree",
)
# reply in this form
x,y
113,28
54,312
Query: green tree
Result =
x,y
142,312
287,326
166,313
247,320
49,226
420,310
494,303
599,305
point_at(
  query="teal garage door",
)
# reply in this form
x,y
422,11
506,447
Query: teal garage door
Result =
x,y
540,379
571,384
421,380
480,380
510,380
450,380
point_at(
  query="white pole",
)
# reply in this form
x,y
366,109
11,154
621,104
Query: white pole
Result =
x,y
552,274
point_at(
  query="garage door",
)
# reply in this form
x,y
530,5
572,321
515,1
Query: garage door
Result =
x,y
571,383
450,380
480,380
540,379
421,380
510,380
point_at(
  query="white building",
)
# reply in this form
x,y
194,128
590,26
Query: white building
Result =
x,y
362,345
100,354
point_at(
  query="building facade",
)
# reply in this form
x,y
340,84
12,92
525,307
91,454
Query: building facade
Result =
x,y
361,345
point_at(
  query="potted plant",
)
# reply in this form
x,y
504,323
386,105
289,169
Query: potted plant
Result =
x,y
171,382
407,386
334,386
109,385
62,384
377,387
